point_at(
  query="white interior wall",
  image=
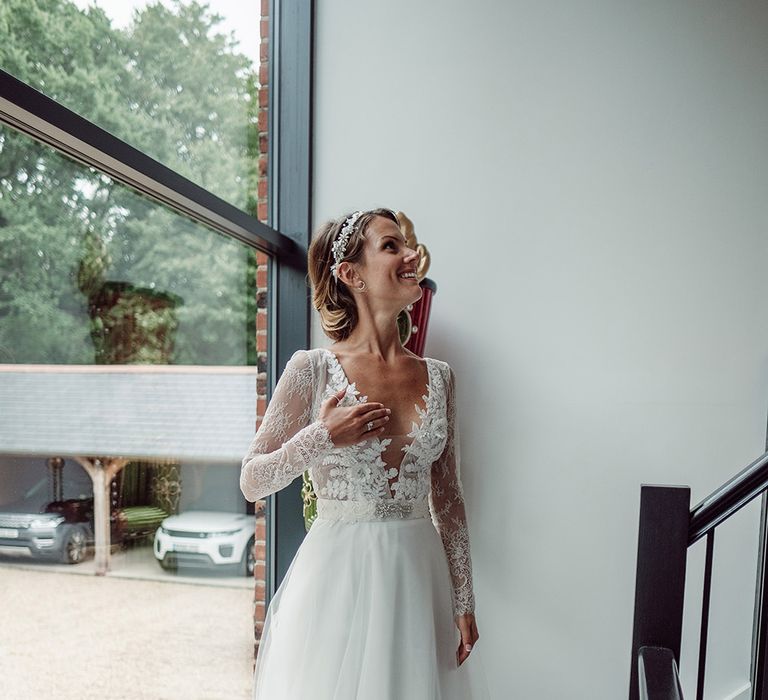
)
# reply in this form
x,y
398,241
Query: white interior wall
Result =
x,y
590,179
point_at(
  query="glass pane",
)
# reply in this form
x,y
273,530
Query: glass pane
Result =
x,y
183,82
132,362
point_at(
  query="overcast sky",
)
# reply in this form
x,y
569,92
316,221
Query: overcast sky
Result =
x,y
240,17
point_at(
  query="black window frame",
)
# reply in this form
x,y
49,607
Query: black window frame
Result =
x,y
291,30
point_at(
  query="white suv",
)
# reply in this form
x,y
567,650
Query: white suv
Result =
x,y
204,538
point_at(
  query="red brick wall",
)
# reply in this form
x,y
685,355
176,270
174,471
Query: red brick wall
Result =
x,y
262,259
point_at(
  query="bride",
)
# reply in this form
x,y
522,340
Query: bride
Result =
x,y
377,603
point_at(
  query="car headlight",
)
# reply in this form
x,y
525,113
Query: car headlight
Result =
x,y
223,533
46,522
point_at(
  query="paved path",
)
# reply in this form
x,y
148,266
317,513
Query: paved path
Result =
x,y
104,638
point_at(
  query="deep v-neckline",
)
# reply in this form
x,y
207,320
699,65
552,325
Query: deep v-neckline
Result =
x,y
417,429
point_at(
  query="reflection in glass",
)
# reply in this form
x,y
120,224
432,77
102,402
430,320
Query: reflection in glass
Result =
x,y
132,347
171,79
133,353
92,272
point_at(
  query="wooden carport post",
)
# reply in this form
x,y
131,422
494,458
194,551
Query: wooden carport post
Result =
x,y
102,470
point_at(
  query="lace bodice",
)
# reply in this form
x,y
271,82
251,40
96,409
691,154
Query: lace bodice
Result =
x,y
419,469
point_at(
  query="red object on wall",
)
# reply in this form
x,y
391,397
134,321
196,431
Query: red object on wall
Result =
x,y
419,316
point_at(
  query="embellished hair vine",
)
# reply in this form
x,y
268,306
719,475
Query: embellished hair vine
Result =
x,y
340,244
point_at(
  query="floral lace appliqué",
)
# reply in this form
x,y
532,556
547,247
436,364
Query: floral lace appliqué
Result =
x,y
292,439
365,472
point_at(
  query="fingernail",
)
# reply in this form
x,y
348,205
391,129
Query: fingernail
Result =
x,y
468,647
389,410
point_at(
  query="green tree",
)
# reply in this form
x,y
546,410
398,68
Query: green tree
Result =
x,y
172,86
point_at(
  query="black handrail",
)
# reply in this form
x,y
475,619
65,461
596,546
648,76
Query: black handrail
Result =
x,y
658,675
668,527
730,497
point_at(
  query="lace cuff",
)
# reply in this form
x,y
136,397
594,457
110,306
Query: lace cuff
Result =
x,y
456,542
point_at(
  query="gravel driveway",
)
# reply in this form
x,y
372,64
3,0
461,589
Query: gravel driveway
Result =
x,y
105,638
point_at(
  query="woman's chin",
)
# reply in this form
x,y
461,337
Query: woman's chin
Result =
x,y
418,292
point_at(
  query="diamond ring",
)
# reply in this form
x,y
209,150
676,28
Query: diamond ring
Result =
x,y
369,425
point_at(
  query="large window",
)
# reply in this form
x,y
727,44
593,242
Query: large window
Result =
x,y
95,273
175,80
144,172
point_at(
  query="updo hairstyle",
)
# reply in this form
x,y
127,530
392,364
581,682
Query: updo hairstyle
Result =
x,y
331,296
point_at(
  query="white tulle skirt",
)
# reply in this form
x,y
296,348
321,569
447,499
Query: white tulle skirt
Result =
x,y
364,613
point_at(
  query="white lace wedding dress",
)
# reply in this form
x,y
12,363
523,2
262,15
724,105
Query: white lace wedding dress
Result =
x,y
366,609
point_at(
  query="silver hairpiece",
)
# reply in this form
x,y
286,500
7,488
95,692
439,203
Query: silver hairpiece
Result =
x,y
340,244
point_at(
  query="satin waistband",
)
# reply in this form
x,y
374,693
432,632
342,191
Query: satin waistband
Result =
x,y
352,511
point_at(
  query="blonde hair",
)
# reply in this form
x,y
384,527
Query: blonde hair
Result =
x,y
330,296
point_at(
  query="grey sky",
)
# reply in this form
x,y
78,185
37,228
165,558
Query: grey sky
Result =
x,y
241,17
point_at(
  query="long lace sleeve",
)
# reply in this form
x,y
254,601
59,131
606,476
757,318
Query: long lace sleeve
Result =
x,y
446,502
286,444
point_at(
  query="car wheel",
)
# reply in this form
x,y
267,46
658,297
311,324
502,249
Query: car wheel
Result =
x,y
168,564
248,563
75,546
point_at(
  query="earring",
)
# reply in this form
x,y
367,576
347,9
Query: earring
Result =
x,y
362,287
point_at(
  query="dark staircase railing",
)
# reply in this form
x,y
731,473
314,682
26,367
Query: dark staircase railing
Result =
x,y
657,674
668,527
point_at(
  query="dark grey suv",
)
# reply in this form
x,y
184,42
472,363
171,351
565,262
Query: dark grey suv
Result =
x,y
59,531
